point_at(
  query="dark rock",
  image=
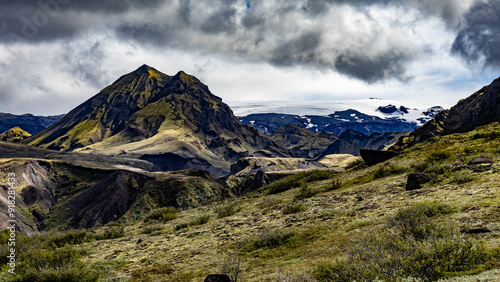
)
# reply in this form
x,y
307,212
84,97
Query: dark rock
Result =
x,y
416,179
479,230
33,195
389,109
359,198
373,157
481,161
219,278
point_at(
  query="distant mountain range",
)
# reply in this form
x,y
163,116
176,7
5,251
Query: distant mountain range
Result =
x,y
335,123
28,122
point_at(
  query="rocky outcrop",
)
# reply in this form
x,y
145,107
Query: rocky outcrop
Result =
x,y
220,278
373,157
415,180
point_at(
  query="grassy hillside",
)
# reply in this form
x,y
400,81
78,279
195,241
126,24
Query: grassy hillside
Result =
x,y
15,134
319,225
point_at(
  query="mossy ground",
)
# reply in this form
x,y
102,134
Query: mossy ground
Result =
x,y
323,229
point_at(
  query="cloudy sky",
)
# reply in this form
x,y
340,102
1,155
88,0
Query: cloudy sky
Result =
x,y
55,54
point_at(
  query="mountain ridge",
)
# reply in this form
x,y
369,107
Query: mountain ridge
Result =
x,y
480,108
147,112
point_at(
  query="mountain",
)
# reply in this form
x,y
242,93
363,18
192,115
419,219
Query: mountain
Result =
x,y
335,123
302,142
174,122
15,134
481,108
351,142
28,122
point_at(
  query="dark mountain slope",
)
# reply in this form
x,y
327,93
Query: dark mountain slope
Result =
x,y
302,142
147,113
481,108
351,141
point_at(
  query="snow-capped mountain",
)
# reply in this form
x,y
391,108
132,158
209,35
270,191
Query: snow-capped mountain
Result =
x,y
367,115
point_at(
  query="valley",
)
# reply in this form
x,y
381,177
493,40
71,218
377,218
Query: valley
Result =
x,y
155,179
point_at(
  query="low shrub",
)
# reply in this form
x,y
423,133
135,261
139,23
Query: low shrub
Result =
x,y
197,221
60,264
462,177
151,228
305,191
296,180
230,264
487,135
181,226
387,170
269,202
355,163
334,185
298,276
414,245
284,184
420,166
269,238
162,214
71,237
50,257
438,156
439,169
200,220
227,210
112,232
293,208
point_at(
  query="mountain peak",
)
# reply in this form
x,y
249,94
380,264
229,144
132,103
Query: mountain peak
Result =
x,y
150,71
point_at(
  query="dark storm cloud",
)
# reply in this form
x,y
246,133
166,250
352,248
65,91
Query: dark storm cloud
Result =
x,y
300,50
42,20
84,62
221,21
479,39
310,33
373,69
274,32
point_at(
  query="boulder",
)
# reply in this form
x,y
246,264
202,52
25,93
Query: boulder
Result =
x,y
477,161
373,157
219,278
414,180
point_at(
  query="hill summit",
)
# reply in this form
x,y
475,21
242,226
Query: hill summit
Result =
x,y
15,134
172,121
